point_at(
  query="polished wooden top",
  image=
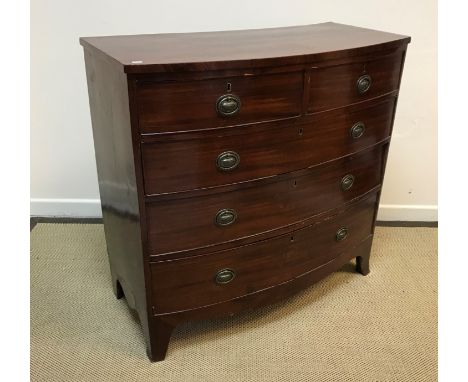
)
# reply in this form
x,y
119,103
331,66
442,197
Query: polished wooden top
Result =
x,y
248,48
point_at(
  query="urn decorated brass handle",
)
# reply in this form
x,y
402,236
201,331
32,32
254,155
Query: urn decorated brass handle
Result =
x,y
225,217
364,83
228,161
347,182
341,234
228,105
225,276
357,130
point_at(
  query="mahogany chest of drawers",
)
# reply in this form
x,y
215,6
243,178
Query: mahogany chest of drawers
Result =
x,y
236,168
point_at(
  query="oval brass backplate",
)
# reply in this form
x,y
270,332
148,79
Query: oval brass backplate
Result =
x,y
341,234
227,161
225,217
228,105
364,83
347,182
357,130
225,276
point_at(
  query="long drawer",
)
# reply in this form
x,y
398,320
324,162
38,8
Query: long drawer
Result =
x,y
336,86
194,222
208,279
232,157
204,104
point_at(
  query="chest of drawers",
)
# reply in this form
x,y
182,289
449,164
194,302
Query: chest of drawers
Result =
x,y
236,168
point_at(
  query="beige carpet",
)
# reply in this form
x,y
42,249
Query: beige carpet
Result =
x,y
382,327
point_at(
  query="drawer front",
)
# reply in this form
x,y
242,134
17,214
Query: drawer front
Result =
x,y
226,159
206,104
207,279
337,86
195,222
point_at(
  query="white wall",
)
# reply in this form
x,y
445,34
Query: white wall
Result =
x,y
63,172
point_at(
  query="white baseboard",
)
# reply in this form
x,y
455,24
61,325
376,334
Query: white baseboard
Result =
x,y
91,208
80,208
407,212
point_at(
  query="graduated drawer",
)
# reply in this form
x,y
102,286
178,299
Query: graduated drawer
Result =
x,y
341,85
208,279
219,159
204,104
193,222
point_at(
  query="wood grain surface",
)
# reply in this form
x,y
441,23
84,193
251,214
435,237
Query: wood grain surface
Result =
x,y
184,224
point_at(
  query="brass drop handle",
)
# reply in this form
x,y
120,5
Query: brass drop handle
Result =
x,y
225,276
347,182
341,234
357,130
364,83
228,105
225,217
227,161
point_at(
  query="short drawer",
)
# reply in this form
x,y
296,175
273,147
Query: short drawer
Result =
x,y
260,207
219,102
222,159
338,86
208,279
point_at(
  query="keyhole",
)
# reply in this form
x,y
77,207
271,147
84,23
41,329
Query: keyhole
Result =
x,y
295,183
229,86
292,239
301,131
